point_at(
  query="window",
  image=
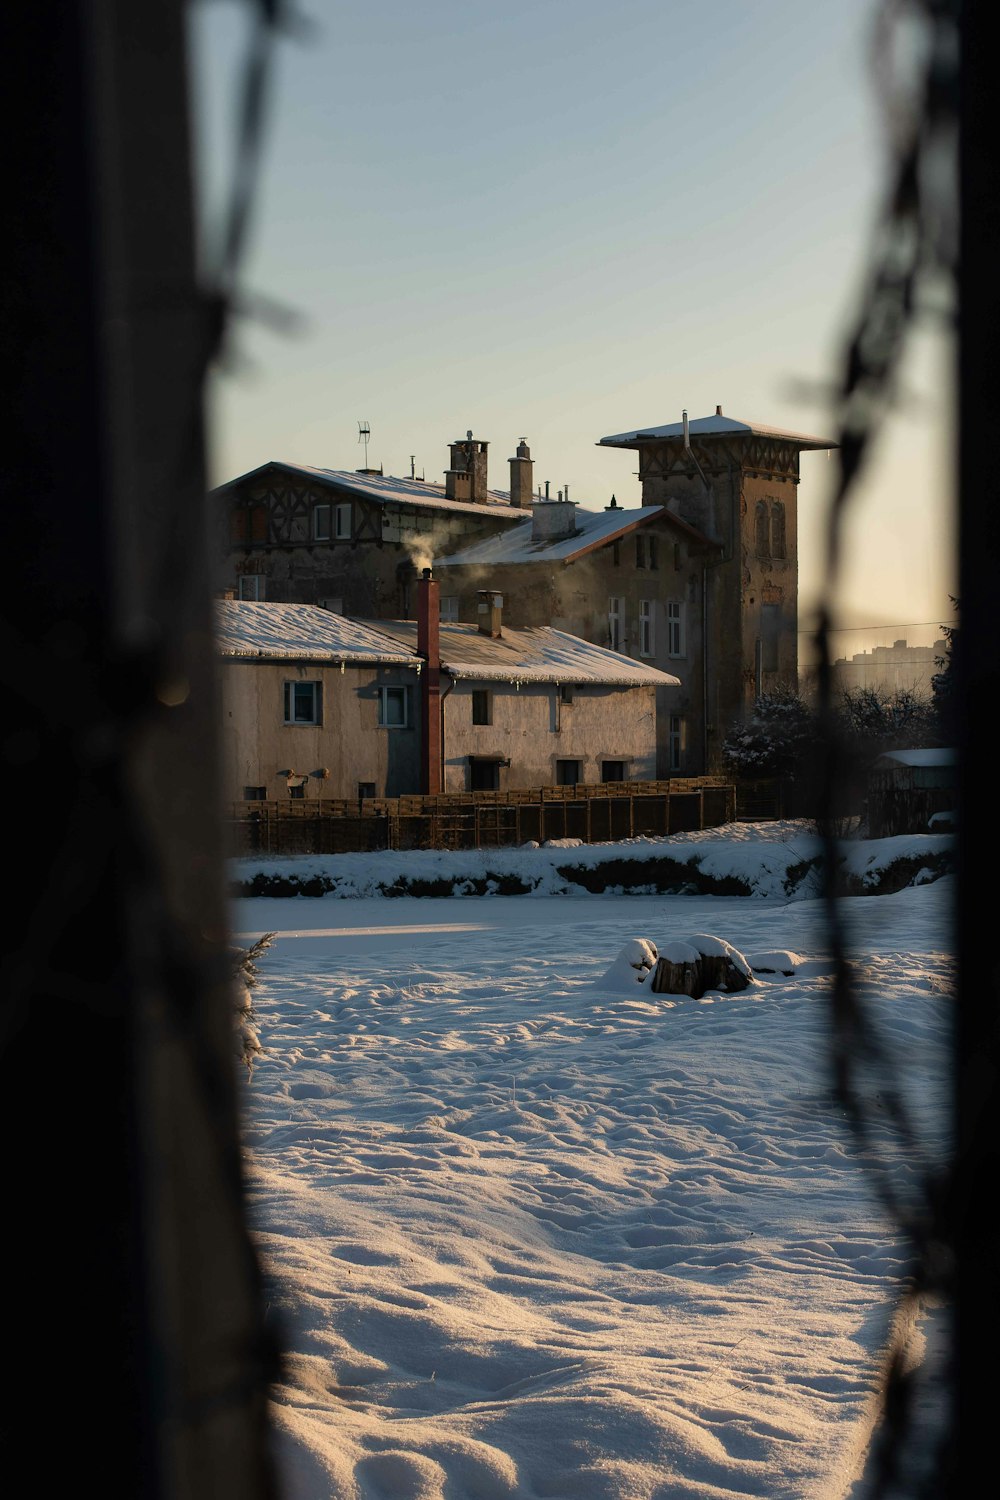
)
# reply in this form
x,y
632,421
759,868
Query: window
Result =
x,y
567,772
251,586
770,630
303,703
484,775
777,529
676,736
296,789
647,628
366,790
255,794
762,531
566,693
449,607
482,706
335,606
321,523
675,628
646,551
616,618
616,552
343,522
394,707
613,770
678,557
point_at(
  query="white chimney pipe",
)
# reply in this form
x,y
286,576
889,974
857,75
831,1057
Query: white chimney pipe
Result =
x,y
687,430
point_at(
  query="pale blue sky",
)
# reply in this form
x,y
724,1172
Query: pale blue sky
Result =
x,y
562,220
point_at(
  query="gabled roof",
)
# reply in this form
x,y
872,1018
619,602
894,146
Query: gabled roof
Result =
x,y
916,758
385,489
594,529
293,632
533,654
285,632
709,427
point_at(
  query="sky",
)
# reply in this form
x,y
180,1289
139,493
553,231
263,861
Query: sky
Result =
x,y
529,1229
561,220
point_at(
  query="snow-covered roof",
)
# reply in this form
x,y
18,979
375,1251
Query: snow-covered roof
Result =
x,y
289,631
593,529
386,489
916,758
715,426
532,654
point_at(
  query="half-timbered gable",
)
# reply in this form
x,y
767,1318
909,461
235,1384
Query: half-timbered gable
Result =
x,y
350,541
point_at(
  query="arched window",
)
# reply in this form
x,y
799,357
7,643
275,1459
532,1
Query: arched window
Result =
x,y
762,534
777,529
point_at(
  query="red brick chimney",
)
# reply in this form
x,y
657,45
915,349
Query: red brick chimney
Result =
x,y
429,647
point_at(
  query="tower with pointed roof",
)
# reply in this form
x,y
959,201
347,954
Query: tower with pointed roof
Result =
x,y
737,483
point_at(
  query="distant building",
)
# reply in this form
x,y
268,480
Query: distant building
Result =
x,y
890,668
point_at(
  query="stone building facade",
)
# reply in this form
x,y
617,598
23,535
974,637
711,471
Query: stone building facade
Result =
x,y
737,484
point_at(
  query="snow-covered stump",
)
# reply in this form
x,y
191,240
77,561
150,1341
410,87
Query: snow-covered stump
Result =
x,y
701,964
693,967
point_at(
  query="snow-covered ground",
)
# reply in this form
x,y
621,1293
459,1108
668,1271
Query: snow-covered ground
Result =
x,y
531,1230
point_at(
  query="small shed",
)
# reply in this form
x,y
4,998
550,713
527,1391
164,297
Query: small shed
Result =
x,y
906,788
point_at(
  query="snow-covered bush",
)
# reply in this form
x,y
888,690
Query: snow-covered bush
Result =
x,y
245,977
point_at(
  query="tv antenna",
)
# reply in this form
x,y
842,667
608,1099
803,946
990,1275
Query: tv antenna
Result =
x,y
364,433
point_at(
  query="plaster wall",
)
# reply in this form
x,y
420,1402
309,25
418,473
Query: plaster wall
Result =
x,y
259,748
533,728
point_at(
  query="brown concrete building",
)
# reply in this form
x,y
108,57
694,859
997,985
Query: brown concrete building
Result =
x,y
317,705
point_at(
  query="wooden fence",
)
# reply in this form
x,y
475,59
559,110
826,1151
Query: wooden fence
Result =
x,y
595,814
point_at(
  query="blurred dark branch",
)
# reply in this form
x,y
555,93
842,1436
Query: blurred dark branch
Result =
x,y
913,257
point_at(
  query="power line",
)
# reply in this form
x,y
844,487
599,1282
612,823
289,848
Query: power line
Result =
x,y
893,625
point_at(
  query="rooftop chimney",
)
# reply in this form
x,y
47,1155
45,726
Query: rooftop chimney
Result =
x,y
553,519
466,479
429,647
490,611
521,477
614,504
718,411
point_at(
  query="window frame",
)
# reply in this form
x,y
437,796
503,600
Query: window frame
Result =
x,y
319,533
676,741
244,581
292,686
561,778
762,529
481,703
676,633
647,627
342,532
387,692
616,622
